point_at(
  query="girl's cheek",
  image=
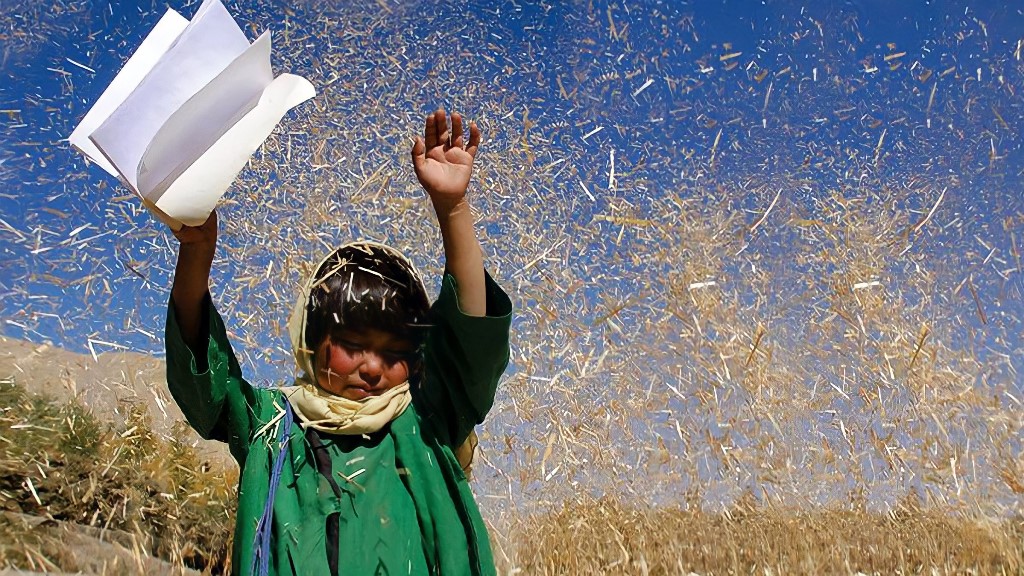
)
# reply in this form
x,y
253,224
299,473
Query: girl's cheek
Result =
x,y
398,372
341,362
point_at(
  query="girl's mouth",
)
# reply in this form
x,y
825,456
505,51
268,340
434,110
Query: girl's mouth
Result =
x,y
361,391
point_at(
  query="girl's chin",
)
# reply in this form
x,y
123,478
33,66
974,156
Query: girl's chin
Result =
x,y
357,393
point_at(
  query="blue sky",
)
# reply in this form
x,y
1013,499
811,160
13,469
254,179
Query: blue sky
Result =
x,y
606,126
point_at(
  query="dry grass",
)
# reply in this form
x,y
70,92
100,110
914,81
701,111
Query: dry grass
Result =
x,y
610,537
80,495
151,496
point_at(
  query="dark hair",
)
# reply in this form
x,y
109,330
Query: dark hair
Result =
x,y
363,287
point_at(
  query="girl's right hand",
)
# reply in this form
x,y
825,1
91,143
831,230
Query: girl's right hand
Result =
x,y
204,235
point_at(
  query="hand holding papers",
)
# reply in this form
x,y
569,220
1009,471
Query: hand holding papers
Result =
x,y
186,112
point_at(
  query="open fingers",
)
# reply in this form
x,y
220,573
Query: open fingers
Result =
x,y
436,133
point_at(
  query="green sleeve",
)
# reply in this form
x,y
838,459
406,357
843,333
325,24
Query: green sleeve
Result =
x,y
217,402
464,358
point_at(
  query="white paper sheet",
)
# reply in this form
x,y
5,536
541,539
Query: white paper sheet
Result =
x,y
152,48
195,193
205,117
207,45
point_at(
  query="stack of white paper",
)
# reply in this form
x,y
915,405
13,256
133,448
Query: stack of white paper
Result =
x,y
187,111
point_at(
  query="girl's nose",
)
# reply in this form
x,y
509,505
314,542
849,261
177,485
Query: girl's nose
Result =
x,y
372,367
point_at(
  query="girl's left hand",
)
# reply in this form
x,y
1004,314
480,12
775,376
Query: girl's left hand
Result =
x,y
443,161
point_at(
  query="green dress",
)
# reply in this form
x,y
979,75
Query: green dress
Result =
x,y
395,501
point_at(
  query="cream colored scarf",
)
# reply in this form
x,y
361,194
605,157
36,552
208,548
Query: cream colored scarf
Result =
x,y
320,409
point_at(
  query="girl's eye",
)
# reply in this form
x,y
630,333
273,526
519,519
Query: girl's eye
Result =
x,y
348,345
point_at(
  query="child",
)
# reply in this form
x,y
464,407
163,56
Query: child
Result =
x,y
352,470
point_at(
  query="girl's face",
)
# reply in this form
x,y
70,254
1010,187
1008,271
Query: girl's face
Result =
x,y
357,365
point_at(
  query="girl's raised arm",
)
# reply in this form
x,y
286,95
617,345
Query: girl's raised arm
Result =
x,y
444,164
192,281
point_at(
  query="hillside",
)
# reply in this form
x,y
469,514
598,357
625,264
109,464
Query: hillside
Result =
x,y
108,385
94,457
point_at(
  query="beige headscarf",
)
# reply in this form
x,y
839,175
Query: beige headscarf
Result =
x,y
318,408
333,414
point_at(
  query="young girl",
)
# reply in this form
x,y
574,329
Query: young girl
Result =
x,y
352,470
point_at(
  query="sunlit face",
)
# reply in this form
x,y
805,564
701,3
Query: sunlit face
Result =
x,y
357,365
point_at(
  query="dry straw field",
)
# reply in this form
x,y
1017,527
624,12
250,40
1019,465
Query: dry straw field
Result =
x,y
82,495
